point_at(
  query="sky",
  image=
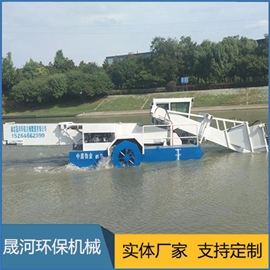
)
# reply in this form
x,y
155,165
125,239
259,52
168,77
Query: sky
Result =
x,y
91,31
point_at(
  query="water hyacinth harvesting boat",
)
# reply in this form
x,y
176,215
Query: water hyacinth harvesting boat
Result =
x,y
175,134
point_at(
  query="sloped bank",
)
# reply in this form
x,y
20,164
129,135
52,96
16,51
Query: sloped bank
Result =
x,y
195,109
207,100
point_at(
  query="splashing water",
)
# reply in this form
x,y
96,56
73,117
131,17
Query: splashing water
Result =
x,y
104,163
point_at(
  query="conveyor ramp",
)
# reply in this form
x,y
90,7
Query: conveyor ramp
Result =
x,y
232,134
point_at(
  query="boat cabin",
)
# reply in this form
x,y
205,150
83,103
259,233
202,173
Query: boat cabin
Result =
x,y
182,105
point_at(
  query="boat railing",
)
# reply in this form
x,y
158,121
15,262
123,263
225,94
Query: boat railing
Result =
x,y
225,124
172,135
217,122
186,114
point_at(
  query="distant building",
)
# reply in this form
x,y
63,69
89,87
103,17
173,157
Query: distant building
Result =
x,y
261,42
110,59
122,57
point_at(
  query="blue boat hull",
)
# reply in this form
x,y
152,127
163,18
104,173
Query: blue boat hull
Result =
x,y
160,154
134,157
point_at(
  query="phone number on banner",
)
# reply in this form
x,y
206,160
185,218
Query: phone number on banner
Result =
x,y
28,135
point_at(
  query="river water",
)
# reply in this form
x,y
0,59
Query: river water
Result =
x,y
224,192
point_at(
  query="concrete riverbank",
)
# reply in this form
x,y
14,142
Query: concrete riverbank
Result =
x,y
195,110
204,101
130,112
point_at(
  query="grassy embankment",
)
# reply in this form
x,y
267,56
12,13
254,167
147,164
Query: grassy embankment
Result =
x,y
207,98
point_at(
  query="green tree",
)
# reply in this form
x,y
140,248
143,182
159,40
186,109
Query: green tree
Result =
x,y
59,60
262,59
29,91
164,60
247,49
33,69
90,68
231,49
122,73
219,63
80,84
61,63
186,56
40,89
57,86
116,73
204,62
133,72
101,83
8,74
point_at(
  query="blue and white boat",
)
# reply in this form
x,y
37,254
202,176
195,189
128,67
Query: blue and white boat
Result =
x,y
175,134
